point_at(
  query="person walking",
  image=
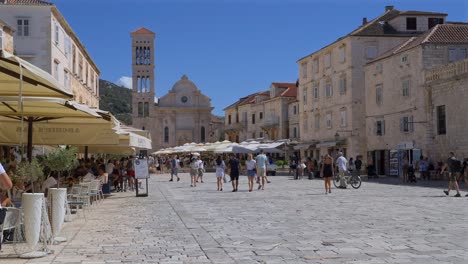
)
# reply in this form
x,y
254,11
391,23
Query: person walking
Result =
x,y
175,168
423,167
327,172
404,168
234,171
130,173
193,172
453,166
464,173
351,166
342,162
358,165
262,166
310,168
220,167
201,169
250,166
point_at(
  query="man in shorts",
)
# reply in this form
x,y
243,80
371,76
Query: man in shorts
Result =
x,y
262,165
174,168
234,171
453,166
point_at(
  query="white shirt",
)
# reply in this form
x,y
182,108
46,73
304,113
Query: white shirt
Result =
x,y
250,164
88,177
110,167
341,163
200,164
2,170
48,183
103,178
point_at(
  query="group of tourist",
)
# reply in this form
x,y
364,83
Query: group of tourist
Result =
x,y
253,168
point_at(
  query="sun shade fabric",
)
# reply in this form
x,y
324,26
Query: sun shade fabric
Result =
x,y
36,82
121,150
62,131
133,140
44,107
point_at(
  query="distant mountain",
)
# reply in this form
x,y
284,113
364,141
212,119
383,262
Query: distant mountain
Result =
x,y
117,100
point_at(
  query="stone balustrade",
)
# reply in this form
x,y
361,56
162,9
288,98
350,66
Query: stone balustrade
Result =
x,y
446,71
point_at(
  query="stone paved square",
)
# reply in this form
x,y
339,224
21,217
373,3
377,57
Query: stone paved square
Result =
x,y
289,222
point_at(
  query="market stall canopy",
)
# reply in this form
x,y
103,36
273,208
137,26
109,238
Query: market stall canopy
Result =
x,y
19,77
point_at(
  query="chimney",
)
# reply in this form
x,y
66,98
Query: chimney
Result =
x,y
364,21
388,8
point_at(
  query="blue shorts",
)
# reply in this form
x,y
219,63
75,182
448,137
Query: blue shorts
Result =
x,y
251,173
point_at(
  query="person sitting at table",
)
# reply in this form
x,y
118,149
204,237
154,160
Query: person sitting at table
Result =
x,y
103,177
5,200
49,183
17,192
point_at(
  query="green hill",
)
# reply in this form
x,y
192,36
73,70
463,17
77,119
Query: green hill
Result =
x,y
117,100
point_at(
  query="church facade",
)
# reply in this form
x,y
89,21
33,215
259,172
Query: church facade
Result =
x,y
183,115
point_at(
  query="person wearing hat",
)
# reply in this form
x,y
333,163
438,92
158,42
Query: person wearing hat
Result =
x,y
342,162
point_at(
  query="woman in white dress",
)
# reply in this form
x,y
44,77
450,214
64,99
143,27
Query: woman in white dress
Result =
x,y
193,172
250,167
220,167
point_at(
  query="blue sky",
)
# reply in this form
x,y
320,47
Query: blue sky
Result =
x,y
228,48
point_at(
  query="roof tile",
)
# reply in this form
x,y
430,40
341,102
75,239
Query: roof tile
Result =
x,y
440,34
27,2
142,30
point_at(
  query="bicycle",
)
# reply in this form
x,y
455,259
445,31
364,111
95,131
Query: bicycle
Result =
x,y
354,180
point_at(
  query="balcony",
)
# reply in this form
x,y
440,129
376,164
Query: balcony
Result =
x,y
446,71
271,121
236,126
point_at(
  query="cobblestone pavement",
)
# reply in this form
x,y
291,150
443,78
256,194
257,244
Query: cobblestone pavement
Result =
x,y
289,222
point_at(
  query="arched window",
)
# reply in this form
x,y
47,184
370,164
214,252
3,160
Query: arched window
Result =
x,y
166,135
202,134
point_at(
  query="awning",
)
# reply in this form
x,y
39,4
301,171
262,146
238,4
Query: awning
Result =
x,y
303,146
36,82
133,140
121,150
327,144
44,107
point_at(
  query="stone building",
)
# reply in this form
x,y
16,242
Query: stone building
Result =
x,y
181,116
262,115
447,88
331,92
44,38
6,37
398,104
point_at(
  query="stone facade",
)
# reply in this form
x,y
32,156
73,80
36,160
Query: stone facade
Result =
x,y
262,115
181,116
398,106
447,87
6,37
44,38
331,92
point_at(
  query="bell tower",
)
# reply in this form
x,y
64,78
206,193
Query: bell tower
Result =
x,y
143,92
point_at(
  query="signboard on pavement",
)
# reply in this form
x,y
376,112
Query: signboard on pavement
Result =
x,y
141,168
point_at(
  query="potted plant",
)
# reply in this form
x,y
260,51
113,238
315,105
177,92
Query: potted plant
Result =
x,y
32,203
59,161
